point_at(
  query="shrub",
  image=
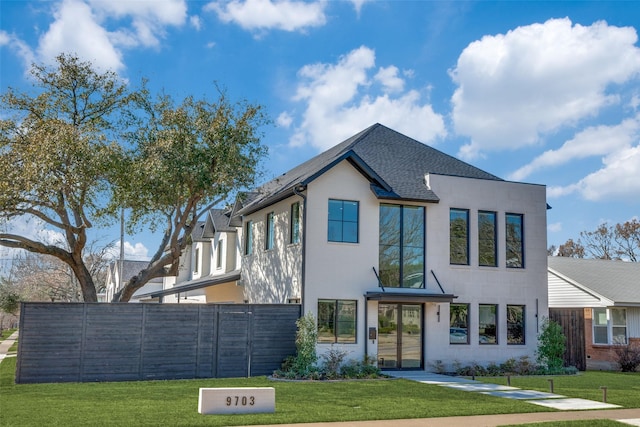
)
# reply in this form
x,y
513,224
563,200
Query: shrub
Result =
x,y
551,346
628,357
333,360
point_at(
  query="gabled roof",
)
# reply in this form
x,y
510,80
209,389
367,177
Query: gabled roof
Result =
x,y
617,281
221,220
394,164
130,269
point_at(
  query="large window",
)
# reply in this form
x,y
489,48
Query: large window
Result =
x,y
487,239
609,326
294,232
269,237
459,324
515,324
336,321
459,236
488,323
401,246
248,238
343,221
515,240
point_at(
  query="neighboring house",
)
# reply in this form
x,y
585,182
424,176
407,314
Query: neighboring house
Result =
x,y
209,268
598,304
402,253
115,281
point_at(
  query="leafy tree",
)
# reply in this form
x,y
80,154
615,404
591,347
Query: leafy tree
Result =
x,y
571,249
627,237
600,243
9,298
85,146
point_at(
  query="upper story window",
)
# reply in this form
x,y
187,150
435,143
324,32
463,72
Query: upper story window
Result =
x,y
459,236
609,326
196,260
343,221
401,246
248,238
515,240
487,239
294,232
269,237
219,253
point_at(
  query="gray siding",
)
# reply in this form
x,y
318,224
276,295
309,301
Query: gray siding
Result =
x,y
78,342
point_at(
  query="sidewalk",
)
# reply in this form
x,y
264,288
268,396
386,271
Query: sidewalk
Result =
x,y
627,416
6,345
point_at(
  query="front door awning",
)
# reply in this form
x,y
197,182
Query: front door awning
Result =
x,y
408,296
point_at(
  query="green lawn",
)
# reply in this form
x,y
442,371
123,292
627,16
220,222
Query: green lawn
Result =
x,y
175,402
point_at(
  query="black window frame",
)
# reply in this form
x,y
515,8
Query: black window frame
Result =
x,y
454,241
514,248
342,221
248,237
495,324
294,227
453,328
269,231
334,323
511,326
487,241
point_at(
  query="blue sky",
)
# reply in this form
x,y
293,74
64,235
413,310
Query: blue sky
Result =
x,y
540,92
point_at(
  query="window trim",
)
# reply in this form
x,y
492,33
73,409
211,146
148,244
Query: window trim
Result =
x,y
336,339
248,237
219,254
269,232
496,323
294,226
466,213
524,324
506,238
342,222
495,239
608,312
402,248
468,306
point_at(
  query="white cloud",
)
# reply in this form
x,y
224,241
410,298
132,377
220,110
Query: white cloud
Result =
x,y
286,15
98,30
132,251
195,22
76,30
617,180
388,77
555,227
341,100
593,141
514,88
357,5
24,52
284,120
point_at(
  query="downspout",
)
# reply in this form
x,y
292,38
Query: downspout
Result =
x,y
297,191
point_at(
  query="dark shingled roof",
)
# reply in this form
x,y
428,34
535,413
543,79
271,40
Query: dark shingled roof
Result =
x,y
221,220
394,164
618,281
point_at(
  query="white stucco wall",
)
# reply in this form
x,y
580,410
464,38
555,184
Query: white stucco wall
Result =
x,y
272,276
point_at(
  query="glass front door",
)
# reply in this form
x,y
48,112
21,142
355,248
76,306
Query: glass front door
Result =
x,y
399,336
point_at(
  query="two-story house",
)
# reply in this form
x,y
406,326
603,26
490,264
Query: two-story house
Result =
x,y
209,270
402,253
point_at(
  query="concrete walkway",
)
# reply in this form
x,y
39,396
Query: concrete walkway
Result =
x,y
6,345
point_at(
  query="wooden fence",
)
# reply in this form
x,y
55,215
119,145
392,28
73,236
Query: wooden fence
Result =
x,y
572,322
81,342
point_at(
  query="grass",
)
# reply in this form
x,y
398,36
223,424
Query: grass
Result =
x,y
152,403
6,333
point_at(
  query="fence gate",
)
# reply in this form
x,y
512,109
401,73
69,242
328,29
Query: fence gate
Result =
x,y
80,342
572,322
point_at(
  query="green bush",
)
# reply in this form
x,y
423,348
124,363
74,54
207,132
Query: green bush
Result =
x,y
551,347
